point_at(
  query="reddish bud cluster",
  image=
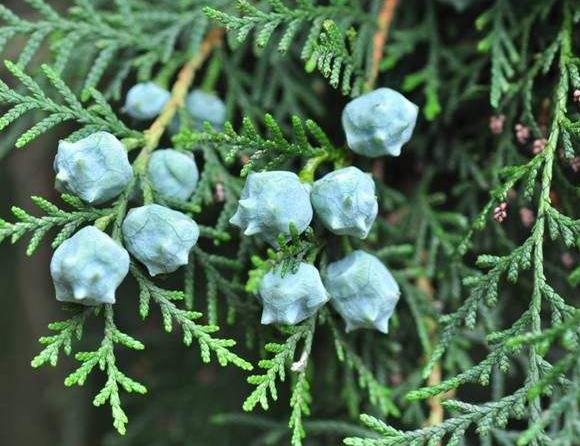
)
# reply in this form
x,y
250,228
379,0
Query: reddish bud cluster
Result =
x,y
500,212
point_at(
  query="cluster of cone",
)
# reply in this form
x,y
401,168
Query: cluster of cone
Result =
x,y
359,286
146,100
89,266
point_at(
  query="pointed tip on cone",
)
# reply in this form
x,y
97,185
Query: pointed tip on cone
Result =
x,y
382,325
252,229
267,317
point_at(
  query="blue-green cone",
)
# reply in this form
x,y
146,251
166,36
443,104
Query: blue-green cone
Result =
x,y
363,291
88,268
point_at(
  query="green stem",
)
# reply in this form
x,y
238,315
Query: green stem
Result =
x,y
213,73
544,202
307,173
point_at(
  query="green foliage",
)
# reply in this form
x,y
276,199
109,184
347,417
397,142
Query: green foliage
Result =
x,y
266,152
133,33
332,44
186,319
67,331
504,54
265,22
484,416
104,358
484,288
99,117
340,55
275,368
300,403
217,281
40,226
378,394
287,256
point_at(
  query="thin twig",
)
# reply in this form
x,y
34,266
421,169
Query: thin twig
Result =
x,y
435,408
384,23
436,413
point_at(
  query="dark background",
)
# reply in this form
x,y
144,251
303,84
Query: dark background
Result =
x,y
29,398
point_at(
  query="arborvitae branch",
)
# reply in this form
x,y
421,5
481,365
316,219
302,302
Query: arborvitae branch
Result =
x,y
498,40
276,367
510,316
484,288
484,416
293,20
266,152
67,331
301,398
186,319
105,359
216,281
140,39
99,117
40,226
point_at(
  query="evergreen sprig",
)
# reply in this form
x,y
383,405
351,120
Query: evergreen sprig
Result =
x,y
139,38
275,368
186,319
451,431
100,116
270,151
214,267
332,43
104,358
301,398
97,117
55,217
378,394
510,323
67,332
483,289
266,22
499,41
529,255
340,55
287,256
